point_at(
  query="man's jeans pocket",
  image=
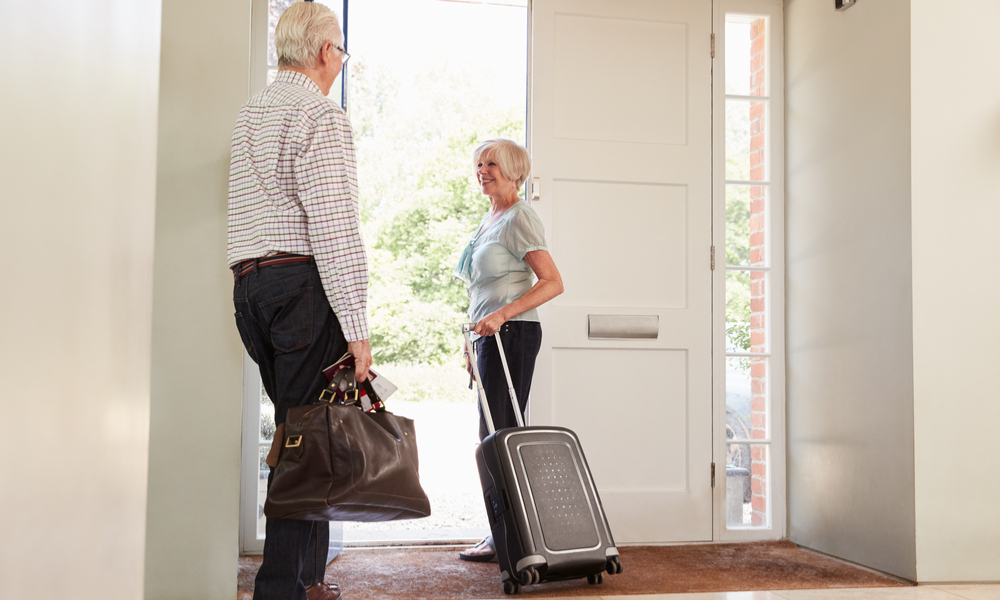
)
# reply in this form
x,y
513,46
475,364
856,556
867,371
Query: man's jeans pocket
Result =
x,y
290,319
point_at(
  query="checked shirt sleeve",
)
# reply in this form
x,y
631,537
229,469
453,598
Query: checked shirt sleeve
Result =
x,y
326,178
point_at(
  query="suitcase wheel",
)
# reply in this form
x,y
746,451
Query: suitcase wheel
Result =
x,y
595,578
614,566
530,576
511,587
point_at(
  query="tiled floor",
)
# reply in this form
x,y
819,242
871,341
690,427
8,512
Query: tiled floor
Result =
x,y
923,592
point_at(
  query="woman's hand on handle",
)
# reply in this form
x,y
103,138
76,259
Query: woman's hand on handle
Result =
x,y
491,323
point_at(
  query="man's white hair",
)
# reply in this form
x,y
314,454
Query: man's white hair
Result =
x,y
301,32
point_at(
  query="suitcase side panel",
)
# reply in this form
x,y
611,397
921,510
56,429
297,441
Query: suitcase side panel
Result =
x,y
508,525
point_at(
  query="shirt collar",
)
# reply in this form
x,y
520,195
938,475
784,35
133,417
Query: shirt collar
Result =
x,y
297,78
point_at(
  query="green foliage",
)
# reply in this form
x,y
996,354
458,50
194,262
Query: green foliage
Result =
x,y
737,225
404,327
420,202
737,140
737,228
738,311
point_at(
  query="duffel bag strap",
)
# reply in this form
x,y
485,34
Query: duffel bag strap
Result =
x,y
378,405
333,392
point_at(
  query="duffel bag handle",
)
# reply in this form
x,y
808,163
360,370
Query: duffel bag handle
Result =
x,y
347,374
333,389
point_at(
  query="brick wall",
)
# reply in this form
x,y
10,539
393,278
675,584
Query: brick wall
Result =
x,y
758,280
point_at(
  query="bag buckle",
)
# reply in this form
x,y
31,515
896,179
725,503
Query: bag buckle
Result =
x,y
290,444
347,399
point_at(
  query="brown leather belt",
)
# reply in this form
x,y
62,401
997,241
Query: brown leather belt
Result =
x,y
281,258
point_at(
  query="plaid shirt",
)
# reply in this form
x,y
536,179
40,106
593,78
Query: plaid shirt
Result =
x,y
293,187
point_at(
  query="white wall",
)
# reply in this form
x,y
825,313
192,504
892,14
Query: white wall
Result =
x,y
77,161
956,287
849,348
194,455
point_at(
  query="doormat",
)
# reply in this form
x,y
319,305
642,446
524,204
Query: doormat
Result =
x,y
438,574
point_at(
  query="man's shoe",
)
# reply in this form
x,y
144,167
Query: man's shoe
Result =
x,y
323,591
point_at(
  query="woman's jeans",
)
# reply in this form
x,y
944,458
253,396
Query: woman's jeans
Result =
x,y
521,341
290,331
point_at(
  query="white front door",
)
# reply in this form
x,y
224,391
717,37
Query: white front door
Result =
x,y
621,141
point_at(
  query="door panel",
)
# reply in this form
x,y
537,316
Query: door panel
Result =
x,y
662,227
621,142
660,431
643,84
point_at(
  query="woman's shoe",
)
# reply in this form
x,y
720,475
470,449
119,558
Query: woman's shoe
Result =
x,y
481,552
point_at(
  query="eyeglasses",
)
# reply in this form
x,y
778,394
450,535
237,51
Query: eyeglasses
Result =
x,y
344,56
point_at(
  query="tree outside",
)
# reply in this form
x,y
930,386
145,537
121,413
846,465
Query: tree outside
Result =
x,y
420,201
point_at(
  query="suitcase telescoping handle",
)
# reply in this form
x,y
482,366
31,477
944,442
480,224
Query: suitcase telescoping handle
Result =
x,y
466,328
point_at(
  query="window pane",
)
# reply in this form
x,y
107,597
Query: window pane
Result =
x,y
746,398
745,56
747,485
746,220
746,311
737,311
746,140
738,58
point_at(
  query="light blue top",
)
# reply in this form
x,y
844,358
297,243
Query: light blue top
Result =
x,y
493,266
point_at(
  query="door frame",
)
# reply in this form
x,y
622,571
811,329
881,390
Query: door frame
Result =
x,y
773,10
250,542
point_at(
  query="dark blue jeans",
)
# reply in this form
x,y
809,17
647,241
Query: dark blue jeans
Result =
x,y
290,331
521,341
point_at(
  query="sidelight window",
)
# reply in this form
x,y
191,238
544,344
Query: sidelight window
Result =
x,y
751,320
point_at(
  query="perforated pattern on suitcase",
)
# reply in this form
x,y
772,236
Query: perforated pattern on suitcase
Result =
x,y
564,514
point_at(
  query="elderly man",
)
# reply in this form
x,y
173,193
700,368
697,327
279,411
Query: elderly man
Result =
x,y
299,264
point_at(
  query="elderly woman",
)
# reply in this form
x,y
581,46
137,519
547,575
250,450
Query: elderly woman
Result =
x,y
498,265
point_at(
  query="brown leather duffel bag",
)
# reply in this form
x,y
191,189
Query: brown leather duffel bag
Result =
x,y
340,463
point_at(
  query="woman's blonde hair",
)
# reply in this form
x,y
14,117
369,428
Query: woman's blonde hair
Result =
x,y
513,158
301,32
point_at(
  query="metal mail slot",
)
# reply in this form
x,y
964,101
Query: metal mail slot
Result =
x,y
623,327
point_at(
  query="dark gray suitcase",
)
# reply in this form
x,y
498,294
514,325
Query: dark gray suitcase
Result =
x,y
544,510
